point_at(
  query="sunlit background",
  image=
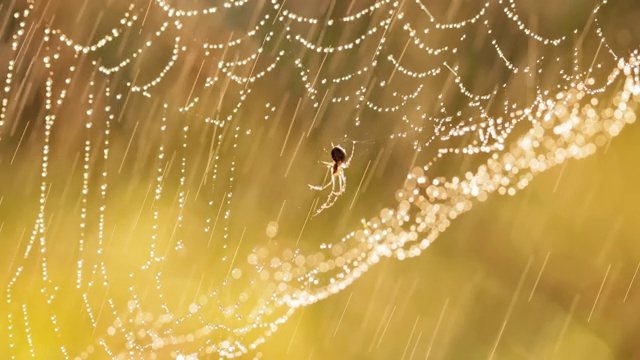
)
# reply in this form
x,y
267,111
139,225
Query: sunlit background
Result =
x,y
155,158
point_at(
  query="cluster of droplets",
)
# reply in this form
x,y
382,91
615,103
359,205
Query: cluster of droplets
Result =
x,y
570,125
174,57
128,60
175,12
85,188
126,21
22,17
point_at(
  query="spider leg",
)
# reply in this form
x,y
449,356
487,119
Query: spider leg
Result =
x,y
338,191
348,162
343,182
319,187
322,187
333,183
333,195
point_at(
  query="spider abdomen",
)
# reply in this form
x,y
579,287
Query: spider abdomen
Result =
x,y
338,154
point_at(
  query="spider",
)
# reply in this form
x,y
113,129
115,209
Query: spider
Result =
x,y
336,169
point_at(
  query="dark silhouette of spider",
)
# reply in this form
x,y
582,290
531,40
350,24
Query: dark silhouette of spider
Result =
x,y
336,169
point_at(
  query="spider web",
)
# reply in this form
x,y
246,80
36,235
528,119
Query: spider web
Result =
x,y
156,156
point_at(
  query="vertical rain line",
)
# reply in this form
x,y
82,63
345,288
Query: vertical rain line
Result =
x,y
514,298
